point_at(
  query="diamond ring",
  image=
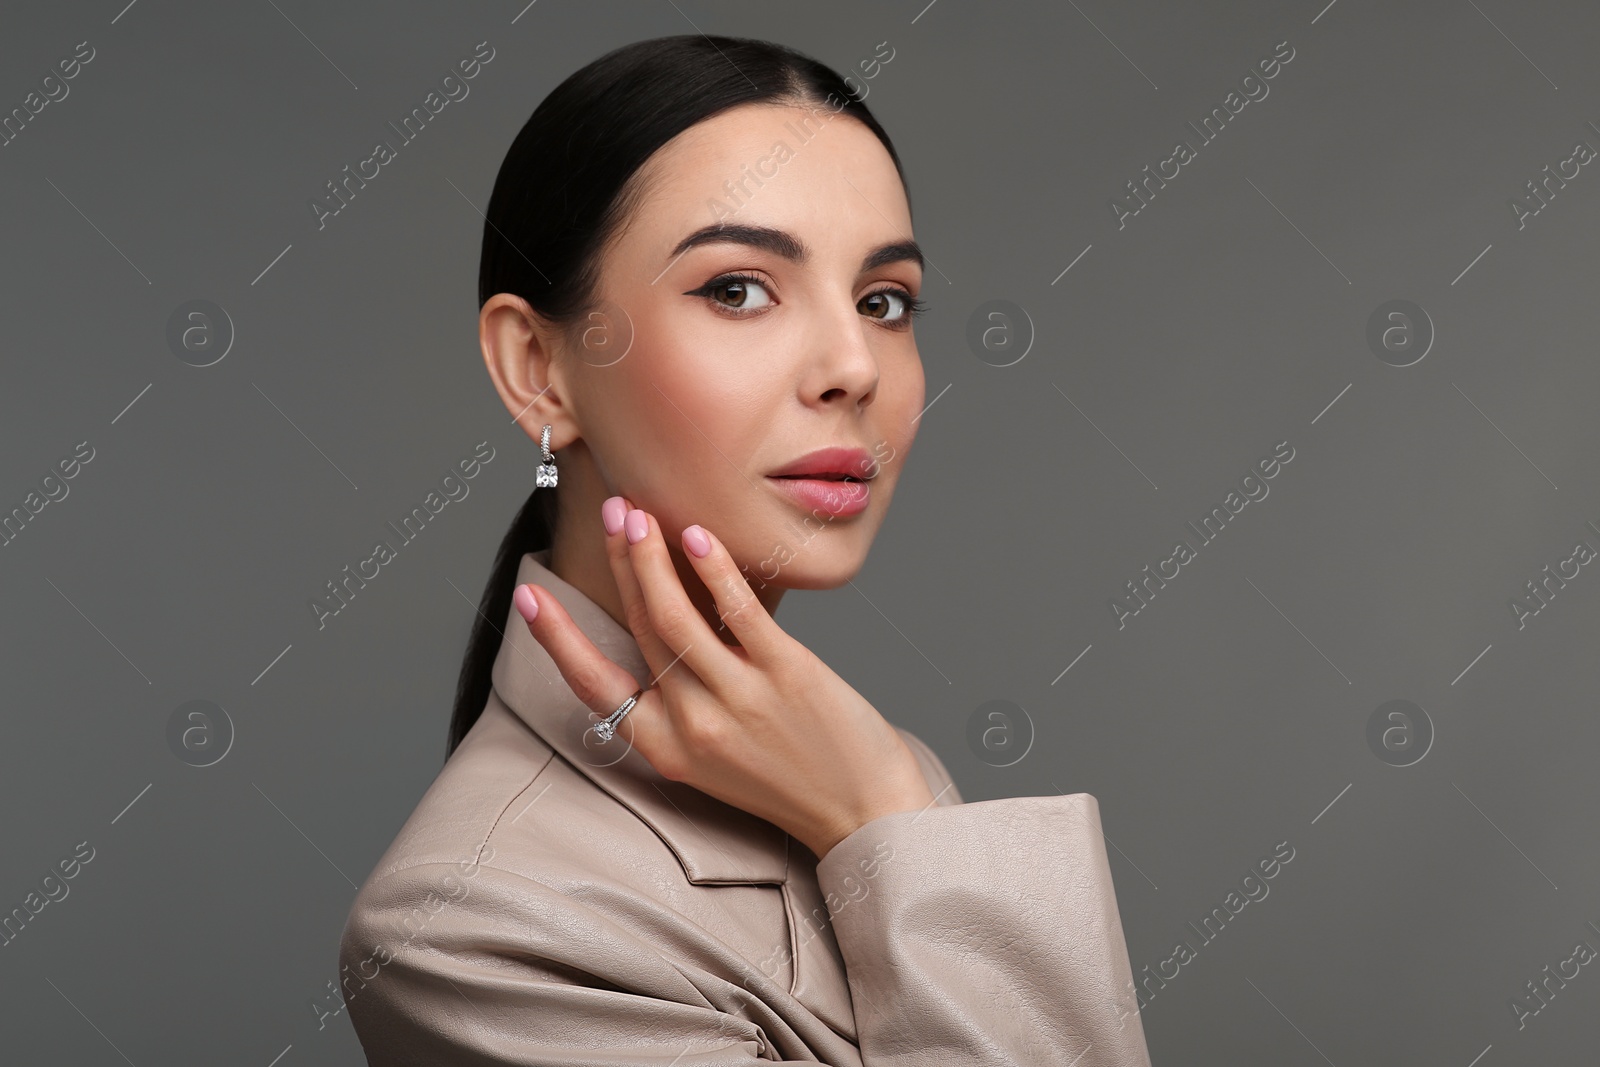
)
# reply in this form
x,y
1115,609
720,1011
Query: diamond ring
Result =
x,y
606,728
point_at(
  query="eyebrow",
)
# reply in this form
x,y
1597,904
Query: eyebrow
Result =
x,y
895,252
790,247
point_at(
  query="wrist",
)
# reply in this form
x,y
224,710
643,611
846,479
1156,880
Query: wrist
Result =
x,y
911,796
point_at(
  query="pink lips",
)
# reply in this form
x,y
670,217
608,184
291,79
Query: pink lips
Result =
x,y
856,462
838,499
826,489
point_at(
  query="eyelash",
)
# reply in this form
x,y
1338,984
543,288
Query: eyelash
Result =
x,y
914,306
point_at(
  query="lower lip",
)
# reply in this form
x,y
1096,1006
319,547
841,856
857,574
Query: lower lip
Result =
x,y
836,499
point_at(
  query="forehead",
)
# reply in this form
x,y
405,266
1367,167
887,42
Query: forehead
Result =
x,y
818,173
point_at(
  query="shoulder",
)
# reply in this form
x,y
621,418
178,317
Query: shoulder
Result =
x,y
505,833
933,769
519,881
479,785
515,819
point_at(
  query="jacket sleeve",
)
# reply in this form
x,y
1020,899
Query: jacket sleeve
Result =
x,y
984,933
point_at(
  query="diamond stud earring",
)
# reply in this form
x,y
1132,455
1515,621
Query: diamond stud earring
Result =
x,y
545,476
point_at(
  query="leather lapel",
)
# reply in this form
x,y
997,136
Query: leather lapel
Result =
x,y
820,981
715,842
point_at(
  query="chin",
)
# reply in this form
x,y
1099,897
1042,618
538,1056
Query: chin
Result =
x,y
819,574
821,559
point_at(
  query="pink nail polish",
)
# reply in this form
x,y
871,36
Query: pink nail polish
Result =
x,y
695,540
636,525
524,602
611,513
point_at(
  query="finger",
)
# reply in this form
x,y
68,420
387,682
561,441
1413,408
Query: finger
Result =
x,y
635,611
758,633
673,617
598,682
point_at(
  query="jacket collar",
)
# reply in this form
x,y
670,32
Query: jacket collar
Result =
x,y
714,841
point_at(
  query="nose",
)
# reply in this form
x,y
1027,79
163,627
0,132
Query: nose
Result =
x,y
843,368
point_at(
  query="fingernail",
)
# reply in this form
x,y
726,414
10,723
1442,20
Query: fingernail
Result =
x,y
696,541
524,602
637,526
611,513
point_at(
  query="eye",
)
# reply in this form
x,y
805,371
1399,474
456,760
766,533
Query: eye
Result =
x,y
735,292
892,305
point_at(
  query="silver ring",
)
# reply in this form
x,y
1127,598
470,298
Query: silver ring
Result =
x,y
606,728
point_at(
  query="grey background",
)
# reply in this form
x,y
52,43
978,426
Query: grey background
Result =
x,y
1227,316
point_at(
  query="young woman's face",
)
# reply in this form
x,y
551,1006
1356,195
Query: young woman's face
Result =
x,y
726,381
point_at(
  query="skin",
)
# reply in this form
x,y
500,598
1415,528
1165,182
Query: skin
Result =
x,y
681,405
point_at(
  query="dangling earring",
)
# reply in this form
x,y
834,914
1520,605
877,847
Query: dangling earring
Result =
x,y
545,476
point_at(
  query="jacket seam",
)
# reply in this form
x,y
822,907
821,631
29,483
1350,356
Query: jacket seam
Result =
x,y
517,796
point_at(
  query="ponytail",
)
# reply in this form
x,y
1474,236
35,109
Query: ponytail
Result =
x,y
530,531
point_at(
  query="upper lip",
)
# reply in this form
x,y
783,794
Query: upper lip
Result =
x,y
838,461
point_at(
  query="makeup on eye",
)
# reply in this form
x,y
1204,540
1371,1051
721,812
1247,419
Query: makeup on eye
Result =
x,y
734,280
743,284
912,307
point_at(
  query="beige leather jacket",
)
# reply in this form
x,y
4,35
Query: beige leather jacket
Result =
x,y
553,902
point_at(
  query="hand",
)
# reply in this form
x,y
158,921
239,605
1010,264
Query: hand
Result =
x,y
765,726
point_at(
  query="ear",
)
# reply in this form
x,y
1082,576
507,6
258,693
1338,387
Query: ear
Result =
x,y
518,348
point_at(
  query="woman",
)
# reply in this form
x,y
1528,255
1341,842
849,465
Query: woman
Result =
x,y
667,832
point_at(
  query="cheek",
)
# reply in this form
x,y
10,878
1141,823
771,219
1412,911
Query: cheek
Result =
x,y
902,395
724,420
916,388
691,407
